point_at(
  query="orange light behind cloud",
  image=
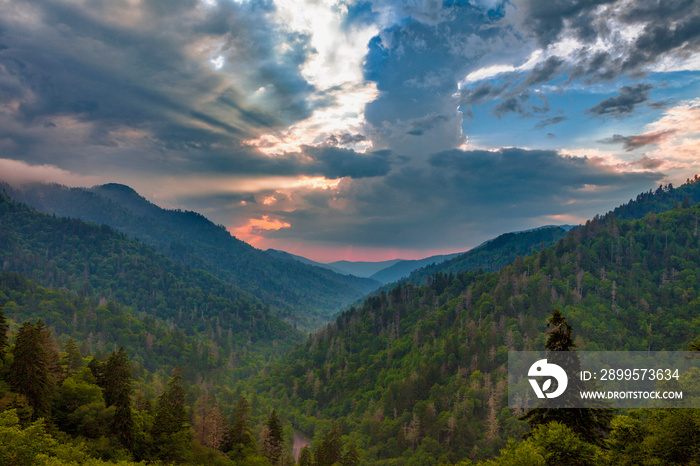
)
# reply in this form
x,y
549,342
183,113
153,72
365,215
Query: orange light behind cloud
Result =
x,y
252,232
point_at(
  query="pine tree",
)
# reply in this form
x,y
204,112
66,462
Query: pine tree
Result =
x,y
330,447
238,437
53,360
4,336
273,439
350,457
117,390
591,424
171,434
72,357
305,457
29,372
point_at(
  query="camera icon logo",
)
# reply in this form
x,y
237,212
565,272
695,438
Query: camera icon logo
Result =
x,y
541,369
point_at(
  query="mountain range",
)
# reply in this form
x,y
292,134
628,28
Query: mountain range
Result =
x,y
413,374
300,292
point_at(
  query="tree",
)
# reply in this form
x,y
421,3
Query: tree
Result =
x,y
591,424
330,447
273,439
4,337
171,434
51,349
305,457
117,390
238,438
350,457
209,424
29,372
72,357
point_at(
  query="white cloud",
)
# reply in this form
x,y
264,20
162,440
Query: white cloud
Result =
x,y
16,173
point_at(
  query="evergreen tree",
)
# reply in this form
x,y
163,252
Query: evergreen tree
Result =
x,y
117,390
53,360
273,439
171,434
591,424
350,457
29,372
72,357
330,447
238,437
4,336
305,457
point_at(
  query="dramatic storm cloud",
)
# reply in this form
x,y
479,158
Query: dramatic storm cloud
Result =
x,y
343,128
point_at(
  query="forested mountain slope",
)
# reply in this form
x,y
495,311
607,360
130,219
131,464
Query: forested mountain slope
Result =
x,y
493,254
302,293
113,290
418,374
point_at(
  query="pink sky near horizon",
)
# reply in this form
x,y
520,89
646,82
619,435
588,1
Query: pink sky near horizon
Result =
x,y
328,254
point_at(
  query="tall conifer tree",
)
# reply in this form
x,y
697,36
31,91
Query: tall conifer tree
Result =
x,y
591,424
4,337
273,439
171,433
29,372
117,392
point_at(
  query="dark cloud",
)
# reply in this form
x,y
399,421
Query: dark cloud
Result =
x,y
649,163
631,143
544,72
624,103
550,121
509,105
547,20
421,125
75,64
461,197
669,30
344,139
335,162
481,93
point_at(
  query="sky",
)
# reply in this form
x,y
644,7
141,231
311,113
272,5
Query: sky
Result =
x,y
357,130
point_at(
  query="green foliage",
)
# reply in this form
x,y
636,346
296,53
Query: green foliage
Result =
x,y
305,457
427,362
29,373
329,448
273,439
591,424
4,335
171,431
34,446
72,358
493,255
109,289
305,295
117,391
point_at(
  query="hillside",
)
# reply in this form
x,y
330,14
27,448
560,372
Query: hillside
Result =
x,y
416,375
404,268
494,254
303,294
110,290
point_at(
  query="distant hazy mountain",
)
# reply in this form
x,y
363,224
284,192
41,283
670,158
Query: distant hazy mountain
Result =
x,y
362,269
382,272
302,293
405,267
289,256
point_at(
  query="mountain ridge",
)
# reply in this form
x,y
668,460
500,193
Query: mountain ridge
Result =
x,y
303,294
